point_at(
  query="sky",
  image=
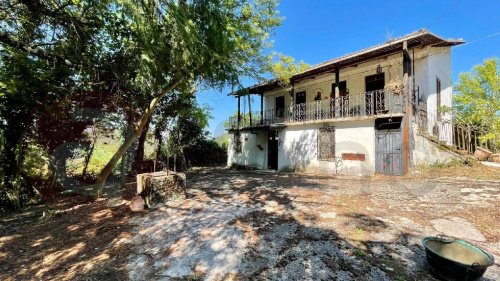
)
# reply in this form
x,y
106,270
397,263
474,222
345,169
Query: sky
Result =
x,y
318,30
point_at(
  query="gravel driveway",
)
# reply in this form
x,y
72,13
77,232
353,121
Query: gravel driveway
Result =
x,y
250,225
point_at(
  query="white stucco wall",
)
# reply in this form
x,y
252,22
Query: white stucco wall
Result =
x,y
251,155
298,143
431,64
299,147
439,66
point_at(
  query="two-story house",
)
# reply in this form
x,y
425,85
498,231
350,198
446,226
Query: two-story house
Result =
x,y
351,115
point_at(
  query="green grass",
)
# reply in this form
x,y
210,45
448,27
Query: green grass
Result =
x,y
103,151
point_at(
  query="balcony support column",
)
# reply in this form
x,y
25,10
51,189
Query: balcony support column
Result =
x,y
250,109
408,110
261,109
239,112
337,82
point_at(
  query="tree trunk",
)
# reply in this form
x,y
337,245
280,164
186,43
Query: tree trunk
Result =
x,y
106,171
139,154
87,160
175,163
90,152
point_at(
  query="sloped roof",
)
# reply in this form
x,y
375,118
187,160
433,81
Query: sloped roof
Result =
x,y
420,37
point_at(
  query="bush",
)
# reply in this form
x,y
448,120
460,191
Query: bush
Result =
x,y
205,152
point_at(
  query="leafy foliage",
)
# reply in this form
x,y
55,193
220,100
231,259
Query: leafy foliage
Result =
x,y
66,65
286,67
477,101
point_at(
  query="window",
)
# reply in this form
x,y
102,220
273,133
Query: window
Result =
x,y
318,96
438,98
326,143
343,91
300,97
280,106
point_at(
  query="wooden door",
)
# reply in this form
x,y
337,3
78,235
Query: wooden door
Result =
x,y
388,150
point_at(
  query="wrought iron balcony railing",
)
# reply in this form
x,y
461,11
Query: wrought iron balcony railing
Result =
x,y
352,106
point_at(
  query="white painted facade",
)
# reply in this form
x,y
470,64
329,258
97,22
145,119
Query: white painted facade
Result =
x,y
298,142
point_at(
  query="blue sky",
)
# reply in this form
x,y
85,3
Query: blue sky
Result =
x,y
318,30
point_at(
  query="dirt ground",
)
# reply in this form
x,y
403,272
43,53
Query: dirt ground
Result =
x,y
251,225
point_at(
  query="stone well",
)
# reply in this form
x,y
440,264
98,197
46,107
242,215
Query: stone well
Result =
x,y
159,187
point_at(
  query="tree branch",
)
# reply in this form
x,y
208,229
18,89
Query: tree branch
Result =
x,y
6,39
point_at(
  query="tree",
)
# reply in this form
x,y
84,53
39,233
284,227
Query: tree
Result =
x,y
285,68
188,129
181,43
477,101
137,52
48,50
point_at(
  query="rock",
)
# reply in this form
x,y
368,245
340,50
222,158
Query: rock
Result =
x,y
459,228
115,202
137,204
495,157
159,187
482,154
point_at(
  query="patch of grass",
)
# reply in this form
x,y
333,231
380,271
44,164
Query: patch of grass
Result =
x,y
104,149
195,277
359,253
457,168
359,231
400,278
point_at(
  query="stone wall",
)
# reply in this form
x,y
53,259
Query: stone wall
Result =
x,y
157,188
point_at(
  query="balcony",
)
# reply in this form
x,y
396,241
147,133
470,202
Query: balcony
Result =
x,y
351,107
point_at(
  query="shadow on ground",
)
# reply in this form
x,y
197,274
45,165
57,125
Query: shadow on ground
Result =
x,y
241,225
75,238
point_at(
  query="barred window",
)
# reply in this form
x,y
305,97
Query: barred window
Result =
x,y
326,143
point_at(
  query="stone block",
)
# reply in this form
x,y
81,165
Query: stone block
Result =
x,y
160,187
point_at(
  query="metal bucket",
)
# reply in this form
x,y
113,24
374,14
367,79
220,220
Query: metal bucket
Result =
x,y
455,259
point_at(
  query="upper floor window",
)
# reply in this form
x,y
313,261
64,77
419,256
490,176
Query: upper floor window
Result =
x,y
343,91
280,106
318,95
300,97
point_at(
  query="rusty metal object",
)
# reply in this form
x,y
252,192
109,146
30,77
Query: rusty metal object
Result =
x,y
456,259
